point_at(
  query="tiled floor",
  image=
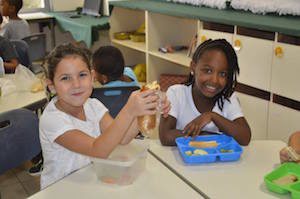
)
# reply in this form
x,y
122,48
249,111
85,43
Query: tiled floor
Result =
x,y
18,184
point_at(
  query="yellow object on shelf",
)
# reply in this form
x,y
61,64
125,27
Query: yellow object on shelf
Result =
x,y
122,35
140,72
138,37
141,29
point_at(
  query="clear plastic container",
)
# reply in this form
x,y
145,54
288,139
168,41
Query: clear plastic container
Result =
x,y
123,165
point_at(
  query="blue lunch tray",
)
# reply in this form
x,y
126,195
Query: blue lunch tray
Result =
x,y
224,143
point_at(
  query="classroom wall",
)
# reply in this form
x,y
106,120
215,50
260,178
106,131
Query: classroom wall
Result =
x,y
59,5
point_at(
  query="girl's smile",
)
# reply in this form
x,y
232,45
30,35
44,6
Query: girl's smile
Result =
x,y
211,73
72,82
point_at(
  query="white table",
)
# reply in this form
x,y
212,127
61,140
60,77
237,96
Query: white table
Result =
x,y
155,182
228,180
22,99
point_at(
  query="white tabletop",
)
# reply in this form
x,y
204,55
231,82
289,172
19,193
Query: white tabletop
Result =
x,y
155,182
228,180
20,99
35,15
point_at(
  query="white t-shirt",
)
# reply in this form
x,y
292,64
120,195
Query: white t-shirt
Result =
x,y
59,161
184,109
15,29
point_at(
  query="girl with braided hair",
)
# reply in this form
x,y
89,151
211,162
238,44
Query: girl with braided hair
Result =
x,y
207,104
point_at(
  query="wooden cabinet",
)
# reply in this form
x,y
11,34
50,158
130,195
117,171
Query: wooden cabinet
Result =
x,y
261,69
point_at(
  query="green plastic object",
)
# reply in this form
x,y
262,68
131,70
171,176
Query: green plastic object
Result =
x,y
284,170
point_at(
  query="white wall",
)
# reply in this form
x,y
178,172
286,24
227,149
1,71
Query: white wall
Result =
x,y
65,5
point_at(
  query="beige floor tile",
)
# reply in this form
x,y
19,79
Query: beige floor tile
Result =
x,y
8,178
22,174
32,186
15,191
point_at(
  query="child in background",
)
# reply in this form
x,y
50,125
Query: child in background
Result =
x,y
9,55
15,27
108,63
74,126
294,142
208,103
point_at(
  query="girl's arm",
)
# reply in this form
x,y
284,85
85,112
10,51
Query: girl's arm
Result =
x,y
238,128
168,132
113,131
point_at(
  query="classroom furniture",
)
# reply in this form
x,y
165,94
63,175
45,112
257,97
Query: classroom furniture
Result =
x,y
22,99
19,138
241,179
82,27
267,47
37,50
114,98
41,18
22,50
155,182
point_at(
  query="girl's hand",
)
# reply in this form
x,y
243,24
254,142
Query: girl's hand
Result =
x,y
143,103
194,127
165,105
284,156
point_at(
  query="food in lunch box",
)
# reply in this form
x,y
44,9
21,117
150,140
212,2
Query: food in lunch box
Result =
x,y
195,152
293,154
148,122
108,179
200,152
189,153
288,179
203,144
226,150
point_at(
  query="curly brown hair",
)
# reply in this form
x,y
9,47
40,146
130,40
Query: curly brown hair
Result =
x,y
62,51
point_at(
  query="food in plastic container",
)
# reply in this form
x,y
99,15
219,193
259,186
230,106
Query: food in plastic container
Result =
x,y
203,144
148,123
123,165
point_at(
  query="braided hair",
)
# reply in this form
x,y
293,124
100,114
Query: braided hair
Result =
x,y
233,67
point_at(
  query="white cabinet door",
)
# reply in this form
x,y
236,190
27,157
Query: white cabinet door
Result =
x,y
282,122
286,72
255,59
256,113
211,34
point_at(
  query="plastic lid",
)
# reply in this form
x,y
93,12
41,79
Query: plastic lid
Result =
x,y
125,155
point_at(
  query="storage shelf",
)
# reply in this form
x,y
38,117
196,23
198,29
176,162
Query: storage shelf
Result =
x,y
177,57
140,46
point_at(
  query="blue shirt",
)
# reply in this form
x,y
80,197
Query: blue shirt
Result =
x,y
118,83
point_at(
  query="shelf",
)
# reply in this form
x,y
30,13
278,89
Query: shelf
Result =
x,y
139,46
289,25
177,57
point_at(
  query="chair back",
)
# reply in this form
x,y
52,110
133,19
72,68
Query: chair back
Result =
x,y
22,50
114,98
19,138
37,46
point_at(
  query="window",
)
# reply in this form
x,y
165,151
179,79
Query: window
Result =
x,y
35,5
